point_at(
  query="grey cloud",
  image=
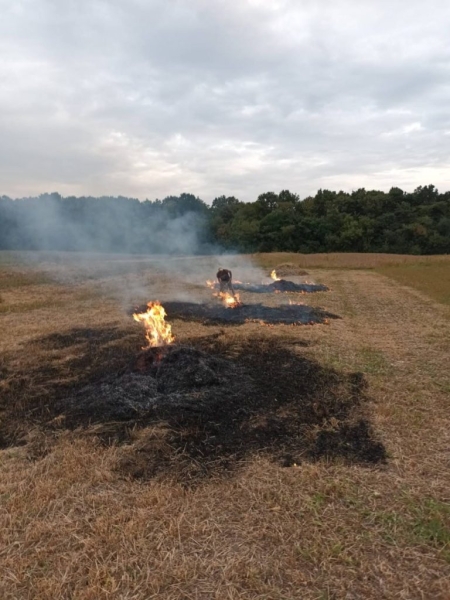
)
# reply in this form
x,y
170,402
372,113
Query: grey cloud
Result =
x,y
149,98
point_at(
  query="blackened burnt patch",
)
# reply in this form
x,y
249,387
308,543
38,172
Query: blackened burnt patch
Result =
x,y
219,405
203,409
215,313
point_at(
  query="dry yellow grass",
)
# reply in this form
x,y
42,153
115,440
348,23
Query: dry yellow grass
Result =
x,y
430,278
347,260
74,528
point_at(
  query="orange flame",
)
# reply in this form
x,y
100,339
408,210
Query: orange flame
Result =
x,y
157,331
229,301
274,276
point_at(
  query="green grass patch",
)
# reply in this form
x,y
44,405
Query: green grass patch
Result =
x,y
432,523
432,278
425,521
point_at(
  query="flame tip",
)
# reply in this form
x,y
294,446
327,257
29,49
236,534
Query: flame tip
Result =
x,y
157,331
274,276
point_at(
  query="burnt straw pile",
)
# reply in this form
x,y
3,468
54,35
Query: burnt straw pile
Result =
x,y
213,313
209,410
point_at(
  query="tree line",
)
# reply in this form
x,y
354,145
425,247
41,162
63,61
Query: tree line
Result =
x,y
360,221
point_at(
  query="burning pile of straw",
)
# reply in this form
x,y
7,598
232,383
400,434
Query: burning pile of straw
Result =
x,y
157,331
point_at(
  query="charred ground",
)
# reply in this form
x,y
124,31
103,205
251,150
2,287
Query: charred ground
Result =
x,y
213,313
192,410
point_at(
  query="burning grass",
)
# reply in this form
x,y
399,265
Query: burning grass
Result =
x,y
157,331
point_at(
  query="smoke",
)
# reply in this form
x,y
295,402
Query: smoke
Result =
x,y
133,251
184,278
176,225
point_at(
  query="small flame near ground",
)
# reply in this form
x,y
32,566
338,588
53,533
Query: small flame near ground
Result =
x,y
157,331
274,276
228,300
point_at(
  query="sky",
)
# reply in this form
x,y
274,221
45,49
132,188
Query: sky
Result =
x,y
150,98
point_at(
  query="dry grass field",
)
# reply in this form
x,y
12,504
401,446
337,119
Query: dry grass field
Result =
x,y
83,518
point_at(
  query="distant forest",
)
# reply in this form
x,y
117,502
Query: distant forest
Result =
x,y
362,221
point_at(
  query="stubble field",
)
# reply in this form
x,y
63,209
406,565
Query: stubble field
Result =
x,y
171,508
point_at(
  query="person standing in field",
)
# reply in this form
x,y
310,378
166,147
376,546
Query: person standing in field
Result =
x,y
224,277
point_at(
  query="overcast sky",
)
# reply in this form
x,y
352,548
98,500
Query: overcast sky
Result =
x,y
147,98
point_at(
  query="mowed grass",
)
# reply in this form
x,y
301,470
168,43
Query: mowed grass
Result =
x,y
73,527
431,278
427,274
347,260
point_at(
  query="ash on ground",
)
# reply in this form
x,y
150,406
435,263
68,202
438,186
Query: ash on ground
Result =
x,y
203,413
214,313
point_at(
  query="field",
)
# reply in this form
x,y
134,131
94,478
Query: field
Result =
x,y
110,508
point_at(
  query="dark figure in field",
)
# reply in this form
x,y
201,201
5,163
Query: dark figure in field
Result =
x,y
224,277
